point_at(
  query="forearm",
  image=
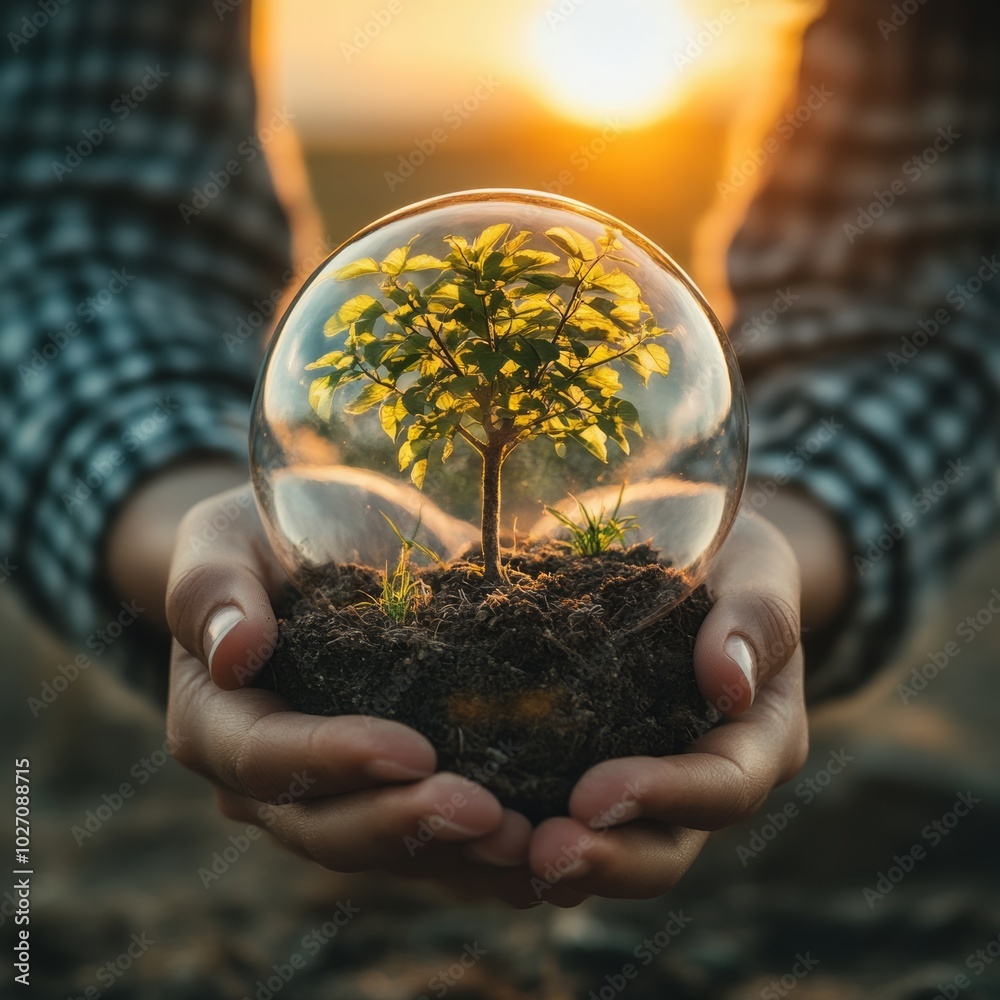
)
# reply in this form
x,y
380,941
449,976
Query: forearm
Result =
x,y
823,554
140,540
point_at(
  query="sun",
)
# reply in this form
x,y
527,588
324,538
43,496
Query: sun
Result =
x,y
595,60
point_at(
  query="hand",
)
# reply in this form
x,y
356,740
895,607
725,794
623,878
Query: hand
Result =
x,y
637,824
349,790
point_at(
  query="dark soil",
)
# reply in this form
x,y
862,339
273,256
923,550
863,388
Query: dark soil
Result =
x,y
522,688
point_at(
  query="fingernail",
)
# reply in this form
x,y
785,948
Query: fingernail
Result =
x,y
219,626
391,770
737,649
476,853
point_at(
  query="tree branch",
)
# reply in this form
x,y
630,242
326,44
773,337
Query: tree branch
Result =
x,y
472,439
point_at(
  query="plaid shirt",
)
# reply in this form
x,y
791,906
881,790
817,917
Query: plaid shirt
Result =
x,y
137,221
867,282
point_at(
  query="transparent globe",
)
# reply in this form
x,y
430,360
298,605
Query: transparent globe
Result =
x,y
468,369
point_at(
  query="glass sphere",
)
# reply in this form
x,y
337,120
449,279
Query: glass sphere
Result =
x,y
497,344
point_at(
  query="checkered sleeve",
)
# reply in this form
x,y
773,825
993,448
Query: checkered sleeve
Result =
x,y
138,224
867,281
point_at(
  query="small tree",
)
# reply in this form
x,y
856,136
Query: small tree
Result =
x,y
506,344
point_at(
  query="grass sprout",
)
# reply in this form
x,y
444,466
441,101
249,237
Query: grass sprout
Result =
x,y
402,593
596,531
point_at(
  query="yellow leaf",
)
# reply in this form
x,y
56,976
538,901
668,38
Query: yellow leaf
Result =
x,y
353,270
593,439
424,262
353,309
489,238
330,360
387,417
393,263
660,358
369,396
321,396
418,472
572,242
618,283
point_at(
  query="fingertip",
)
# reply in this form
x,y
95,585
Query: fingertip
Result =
x,y
558,849
400,754
609,794
459,808
505,847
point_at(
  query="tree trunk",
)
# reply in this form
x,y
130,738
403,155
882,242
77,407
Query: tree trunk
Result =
x,y
493,457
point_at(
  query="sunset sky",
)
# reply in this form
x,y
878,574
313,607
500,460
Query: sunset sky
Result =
x,y
346,74
524,93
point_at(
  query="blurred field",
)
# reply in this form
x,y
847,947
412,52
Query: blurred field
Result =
x,y
637,176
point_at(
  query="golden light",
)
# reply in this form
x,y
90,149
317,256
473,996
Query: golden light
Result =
x,y
598,60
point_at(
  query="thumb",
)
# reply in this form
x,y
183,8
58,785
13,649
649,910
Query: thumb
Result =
x,y
218,604
754,627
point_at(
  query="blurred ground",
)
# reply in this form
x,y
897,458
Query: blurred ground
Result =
x,y
794,905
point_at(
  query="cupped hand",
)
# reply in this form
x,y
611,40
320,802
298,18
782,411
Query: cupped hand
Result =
x,y
636,824
351,793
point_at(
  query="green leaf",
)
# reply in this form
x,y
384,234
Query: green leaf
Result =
x,y
545,280
397,296
369,396
355,269
374,351
489,362
628,415
461,385
572,243
545,349
491,265
414,400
